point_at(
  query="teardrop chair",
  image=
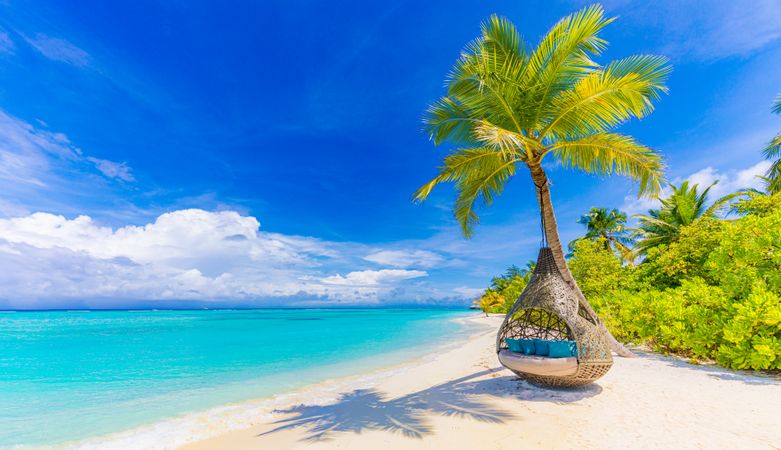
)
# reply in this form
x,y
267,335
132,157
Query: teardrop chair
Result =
x,y
548,310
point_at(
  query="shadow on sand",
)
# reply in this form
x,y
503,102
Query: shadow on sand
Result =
x,y
370,409
713,371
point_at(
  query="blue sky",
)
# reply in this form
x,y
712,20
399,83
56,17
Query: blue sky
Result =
x,y
142,143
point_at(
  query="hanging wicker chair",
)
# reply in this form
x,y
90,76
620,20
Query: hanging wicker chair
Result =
x,y
549,309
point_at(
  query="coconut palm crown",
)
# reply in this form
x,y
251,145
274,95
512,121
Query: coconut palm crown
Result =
x,y
684,205
773,151
510,105
610,226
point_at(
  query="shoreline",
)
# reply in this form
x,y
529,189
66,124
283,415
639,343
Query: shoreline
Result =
x,y
200,425
459,397
463,399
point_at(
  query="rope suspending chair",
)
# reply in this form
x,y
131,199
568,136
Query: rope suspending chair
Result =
x,y
548,311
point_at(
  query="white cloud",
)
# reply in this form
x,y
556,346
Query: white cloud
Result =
x,y
112,169
469,292
728,182
405,258
58,49
731,181
374,277
185,255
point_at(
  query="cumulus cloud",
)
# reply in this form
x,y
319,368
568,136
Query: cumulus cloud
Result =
x,y
184,254
728,182
405,258
373,277
58,49
469,292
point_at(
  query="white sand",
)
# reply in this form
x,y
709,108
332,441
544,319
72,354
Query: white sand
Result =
x,y
463,399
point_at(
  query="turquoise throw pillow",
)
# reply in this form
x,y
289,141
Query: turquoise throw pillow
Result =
x,y
514,345
562,349
541,347
527,346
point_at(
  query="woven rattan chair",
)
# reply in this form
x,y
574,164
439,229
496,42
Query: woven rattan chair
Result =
x,y
549,309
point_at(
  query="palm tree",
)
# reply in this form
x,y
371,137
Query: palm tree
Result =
x,y
773,150
489,301
508,106
609,225
684,205
528,270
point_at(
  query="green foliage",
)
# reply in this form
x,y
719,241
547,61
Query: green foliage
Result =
x,y
684,205
714,293
667,265
490,302
610,226
758,203
596,268
505,289
773,152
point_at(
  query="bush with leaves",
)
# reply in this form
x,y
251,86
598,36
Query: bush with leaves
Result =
x,y
712,293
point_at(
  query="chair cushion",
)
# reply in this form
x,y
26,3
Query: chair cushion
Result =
x,y
525,346
514,345
541,347
562,349
539,365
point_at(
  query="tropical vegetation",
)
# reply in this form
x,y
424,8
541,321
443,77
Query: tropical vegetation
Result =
x,y
708,282
712,292
773,153
609,226
509,106
681,208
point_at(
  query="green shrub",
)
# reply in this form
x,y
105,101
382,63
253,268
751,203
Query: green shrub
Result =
x,y
712,294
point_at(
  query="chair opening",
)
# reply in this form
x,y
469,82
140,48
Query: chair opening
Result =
x,y
536,323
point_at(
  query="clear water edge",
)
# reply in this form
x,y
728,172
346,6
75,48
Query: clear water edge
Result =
x,y
402,335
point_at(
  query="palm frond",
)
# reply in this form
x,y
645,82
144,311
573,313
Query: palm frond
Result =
x,y
506,141
445,119
484,77
459,164
773,149
721,203
607,97
606,153
655,222
563,55
482,185
501,34
479,174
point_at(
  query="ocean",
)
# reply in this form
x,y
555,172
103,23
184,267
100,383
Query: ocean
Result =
x,y
68,376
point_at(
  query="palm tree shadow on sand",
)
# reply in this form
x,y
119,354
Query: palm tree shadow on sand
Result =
x,y
466,397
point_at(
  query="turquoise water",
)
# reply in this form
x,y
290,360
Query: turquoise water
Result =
x,y
72,375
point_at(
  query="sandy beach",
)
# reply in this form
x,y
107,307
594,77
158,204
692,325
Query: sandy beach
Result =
x,y
462,398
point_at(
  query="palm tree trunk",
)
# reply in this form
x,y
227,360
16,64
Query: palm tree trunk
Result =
x,y
554,242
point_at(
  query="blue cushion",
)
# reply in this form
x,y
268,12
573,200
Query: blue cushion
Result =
x,y
562,349
541,347
514,345
527,346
